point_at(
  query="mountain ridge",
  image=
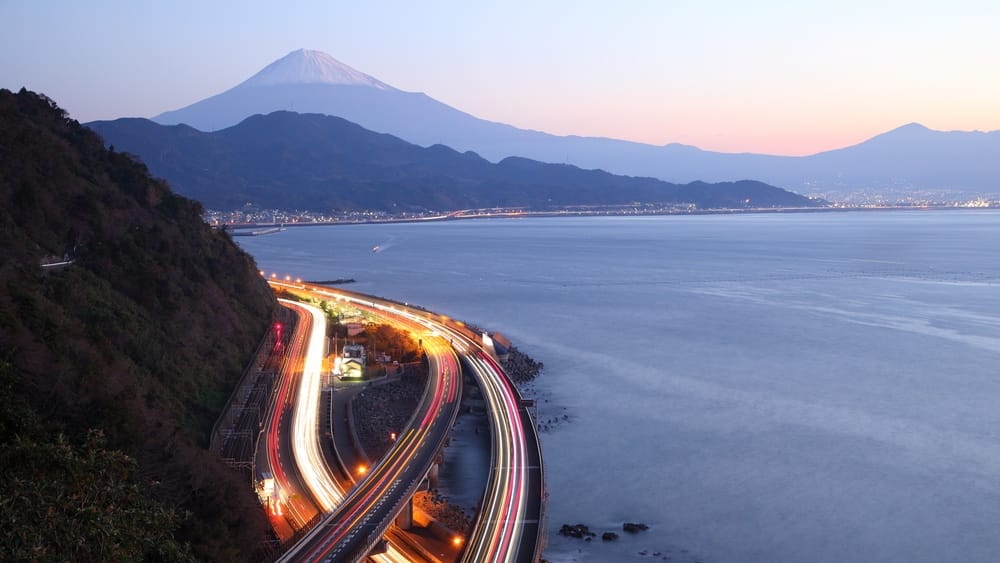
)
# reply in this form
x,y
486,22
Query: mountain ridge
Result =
x,y
424,121
288,160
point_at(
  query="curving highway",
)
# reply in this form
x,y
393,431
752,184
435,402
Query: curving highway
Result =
x,y
305,435
360,521
508,526
291,508
365,515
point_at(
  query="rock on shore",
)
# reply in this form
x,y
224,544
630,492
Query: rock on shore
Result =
x,y
521,367
443,511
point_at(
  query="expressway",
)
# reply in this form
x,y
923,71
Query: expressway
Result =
x,y
508,527
291,507
366,514
305,435
308,489
359,521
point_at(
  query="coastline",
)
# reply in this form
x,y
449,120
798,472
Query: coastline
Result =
x,y
460,216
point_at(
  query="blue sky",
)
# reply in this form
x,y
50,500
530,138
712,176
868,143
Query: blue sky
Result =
x,y
774,77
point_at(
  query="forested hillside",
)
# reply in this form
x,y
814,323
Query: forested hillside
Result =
x,y
113,368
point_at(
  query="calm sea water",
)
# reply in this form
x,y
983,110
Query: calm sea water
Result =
x,y
784,388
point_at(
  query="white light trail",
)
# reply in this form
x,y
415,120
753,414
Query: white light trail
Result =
x,y
305,419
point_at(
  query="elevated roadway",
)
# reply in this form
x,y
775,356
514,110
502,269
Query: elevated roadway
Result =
x,y
358,522
364,517
508,527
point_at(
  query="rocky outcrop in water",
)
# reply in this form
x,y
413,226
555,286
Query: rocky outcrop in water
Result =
x,y
578,531
634,528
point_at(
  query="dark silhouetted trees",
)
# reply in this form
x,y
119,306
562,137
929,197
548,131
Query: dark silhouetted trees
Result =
x,y
114,368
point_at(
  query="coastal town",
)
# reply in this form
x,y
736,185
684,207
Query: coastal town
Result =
x,y
253,216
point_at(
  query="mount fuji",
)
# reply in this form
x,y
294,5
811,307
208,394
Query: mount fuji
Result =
x,y
311,67
911,161
307,81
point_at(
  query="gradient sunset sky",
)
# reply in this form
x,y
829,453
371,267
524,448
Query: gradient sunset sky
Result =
x,y
768,77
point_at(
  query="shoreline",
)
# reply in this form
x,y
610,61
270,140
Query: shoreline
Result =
x,y
455,216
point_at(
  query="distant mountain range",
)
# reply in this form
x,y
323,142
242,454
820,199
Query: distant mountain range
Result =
x,y
287,160
908,160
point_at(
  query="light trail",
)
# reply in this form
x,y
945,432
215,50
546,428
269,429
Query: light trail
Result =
x,y
496,536
296,509
377,499
306,447
515,480
399,472
323,488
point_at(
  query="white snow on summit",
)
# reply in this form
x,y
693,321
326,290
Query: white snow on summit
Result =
x,y
311,67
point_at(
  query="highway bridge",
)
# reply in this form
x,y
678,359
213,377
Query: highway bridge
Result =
x,y
305,490
509,526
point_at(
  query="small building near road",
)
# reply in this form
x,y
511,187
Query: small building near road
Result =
x,y
352,364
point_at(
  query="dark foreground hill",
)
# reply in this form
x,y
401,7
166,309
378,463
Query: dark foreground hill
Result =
x,y
114,367
286,160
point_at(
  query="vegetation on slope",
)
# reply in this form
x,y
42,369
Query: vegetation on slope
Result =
x,y
114,368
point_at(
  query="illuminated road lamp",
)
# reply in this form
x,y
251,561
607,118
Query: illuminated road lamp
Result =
x,y
262,274
392,436
362,469
456,541
288,278
273,275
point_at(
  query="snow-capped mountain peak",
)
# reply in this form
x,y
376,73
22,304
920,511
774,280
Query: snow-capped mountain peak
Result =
x,y
312,67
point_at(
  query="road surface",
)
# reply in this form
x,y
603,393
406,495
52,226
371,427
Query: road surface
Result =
x,y
508,527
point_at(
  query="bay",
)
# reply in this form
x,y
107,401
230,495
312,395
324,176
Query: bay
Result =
x,y
772,387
